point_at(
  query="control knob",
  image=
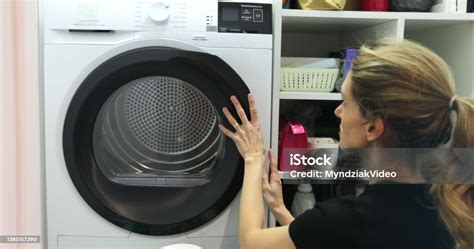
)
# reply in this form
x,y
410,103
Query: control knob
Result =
x,y
159,12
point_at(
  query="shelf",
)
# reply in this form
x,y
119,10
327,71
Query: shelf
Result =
x,y
310,96
343,21
294,13
313,21
422,25
335,14
429,16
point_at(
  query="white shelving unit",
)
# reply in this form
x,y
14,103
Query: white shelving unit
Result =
x,y
311,33
310,96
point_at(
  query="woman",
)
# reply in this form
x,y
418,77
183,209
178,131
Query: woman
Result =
x,y
397,95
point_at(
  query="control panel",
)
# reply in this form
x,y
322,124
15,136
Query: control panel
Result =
x,y
245,18
223,16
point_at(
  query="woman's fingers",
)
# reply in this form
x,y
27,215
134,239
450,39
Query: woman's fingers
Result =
x,y
226,132
272,159
273,167
247,137
265,181
240,110
253,109
230,118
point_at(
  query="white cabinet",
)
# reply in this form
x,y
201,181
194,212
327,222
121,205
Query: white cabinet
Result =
x,y
311,33
303,33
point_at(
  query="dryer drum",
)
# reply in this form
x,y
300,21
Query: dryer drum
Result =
x,y
157,128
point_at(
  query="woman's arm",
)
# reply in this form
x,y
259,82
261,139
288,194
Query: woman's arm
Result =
x,y
249,142
252,233
251,200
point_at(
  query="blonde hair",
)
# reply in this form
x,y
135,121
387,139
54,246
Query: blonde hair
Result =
x,y
410,88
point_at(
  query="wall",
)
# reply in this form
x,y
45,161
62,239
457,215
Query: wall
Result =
x,y
20,160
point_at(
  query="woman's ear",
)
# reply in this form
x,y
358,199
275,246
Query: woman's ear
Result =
x,y
375,129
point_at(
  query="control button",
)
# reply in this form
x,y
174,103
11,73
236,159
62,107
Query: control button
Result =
x,y
235,30
159,13
246,15
258,15
246,18
246,12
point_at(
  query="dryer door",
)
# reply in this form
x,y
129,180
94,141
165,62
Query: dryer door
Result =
x,y
142,144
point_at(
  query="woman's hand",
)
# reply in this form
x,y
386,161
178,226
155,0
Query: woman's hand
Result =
x,y
247,136
272,193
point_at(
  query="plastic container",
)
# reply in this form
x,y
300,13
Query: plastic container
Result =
x,y
308,74
349,54
303,199
375,5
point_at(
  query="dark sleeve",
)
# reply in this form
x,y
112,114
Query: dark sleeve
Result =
x,y
329,225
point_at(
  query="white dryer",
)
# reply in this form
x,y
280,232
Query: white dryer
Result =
x,y
133,95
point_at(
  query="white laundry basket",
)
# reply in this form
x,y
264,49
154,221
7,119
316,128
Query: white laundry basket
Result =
x,y
297,78
308,80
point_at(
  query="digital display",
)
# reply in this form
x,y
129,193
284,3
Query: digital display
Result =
x,y
230,14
